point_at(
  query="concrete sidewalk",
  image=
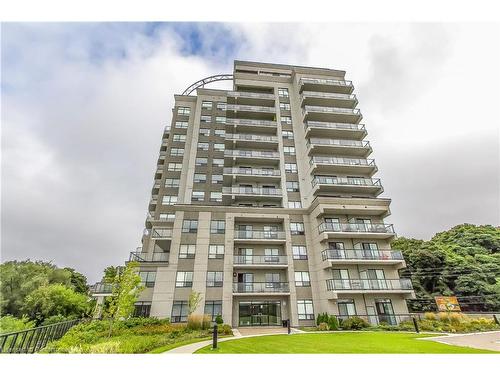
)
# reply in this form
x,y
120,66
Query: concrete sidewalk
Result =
x,y
481,340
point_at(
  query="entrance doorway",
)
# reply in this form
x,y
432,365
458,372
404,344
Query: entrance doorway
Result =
x,y
260,313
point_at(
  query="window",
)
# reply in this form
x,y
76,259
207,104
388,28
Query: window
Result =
x,y
183,111
213,308
302,278
179,138
174,167
167,217
218,227
272,280
286,120
172,182
198,196
148,278
187,251
204,132
206,105
169,199
215,196
205,119
217,179
142,309
200,177
201,162
220,119
181,124
290,168
289,150
287,134
218,162
297,228
221,106
292,186
305,309
176,152
294,204
283,93
203,146
219,147
299,252
219,132
190,226
285,106
346,307
214,278
216,252
184,279
179,312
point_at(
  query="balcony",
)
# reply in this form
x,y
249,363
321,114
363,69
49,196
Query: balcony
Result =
x,y
260,261
250,111
335,129
356,230
326,85
104,289
251,175
333,114
328,99
339,146
334,185
351,286
259,236
327,164
252,140
255,157
262,288
250,98
159,257
252,192
249,125
361,256
160,233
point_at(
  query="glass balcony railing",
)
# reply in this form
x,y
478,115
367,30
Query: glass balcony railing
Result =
x,y
262,287
250,108
338,142
320,81
101,288
261,259
328,95
251,137
251,122
160,232
316,108
361,254
253,95
252,154
362,284
258,235
356,227
348,181
335,125
252,171
148,257
341,161
251,190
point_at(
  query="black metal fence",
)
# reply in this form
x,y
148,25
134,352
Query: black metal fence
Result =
x,y
34,339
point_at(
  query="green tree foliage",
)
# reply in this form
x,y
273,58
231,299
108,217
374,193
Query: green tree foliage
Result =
x,y
463,261
78,281
9,323
194,301
53,300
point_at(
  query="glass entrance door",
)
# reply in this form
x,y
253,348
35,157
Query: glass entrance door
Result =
x,y
385,311
257,313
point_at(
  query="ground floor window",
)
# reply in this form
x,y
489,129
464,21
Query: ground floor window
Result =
x,y
347,308
305,309
213,308
260,313
179,312
142,309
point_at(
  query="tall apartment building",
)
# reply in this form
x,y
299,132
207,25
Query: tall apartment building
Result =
x,y
264,202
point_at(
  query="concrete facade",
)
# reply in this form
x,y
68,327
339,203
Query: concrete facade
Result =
x,y
280,166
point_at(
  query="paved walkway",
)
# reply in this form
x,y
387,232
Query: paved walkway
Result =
x,y
481,340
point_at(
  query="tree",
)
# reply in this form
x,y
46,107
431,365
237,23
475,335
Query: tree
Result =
x,y
55,299
194,301
110,274
78,281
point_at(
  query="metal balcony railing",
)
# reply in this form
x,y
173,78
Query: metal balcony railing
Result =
x,y
259,235
334,82
252,154
250,108
338,142
252,171
317,108
326,180
335,125
148,257
328,95
356,227
251,137
260,259
262,287
341,161
161,233
257,95
251,190
362,284
361,254
242,121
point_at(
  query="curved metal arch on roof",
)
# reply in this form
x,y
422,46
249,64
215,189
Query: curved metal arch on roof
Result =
x,y
204,81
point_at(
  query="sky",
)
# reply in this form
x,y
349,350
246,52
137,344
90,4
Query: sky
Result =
x,y
84,106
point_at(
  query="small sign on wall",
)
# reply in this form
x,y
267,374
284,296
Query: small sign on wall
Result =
x,y
447,303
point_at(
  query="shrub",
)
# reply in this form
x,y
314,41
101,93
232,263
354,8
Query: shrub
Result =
x,y
430,316
443,316
323,326
225,329
456,317
354,323
218,319
8,323
195,322
333,323
322,318
206,321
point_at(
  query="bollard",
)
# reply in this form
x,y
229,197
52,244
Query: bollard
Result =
x,y
415,323
495,318
288,326
214,337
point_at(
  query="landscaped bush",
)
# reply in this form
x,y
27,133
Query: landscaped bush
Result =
x,y
218,319
9,323
430,316
323,326
225,329
197,321
333,323
354,323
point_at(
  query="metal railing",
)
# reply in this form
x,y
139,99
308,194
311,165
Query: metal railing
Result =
x,y
327,95
341,161
257,95
252,171
101,288
335,125
326,180
252,154
356,227
338,142
242,121
161,233
261,287
322,81
34,339
317,108
251,137
136,256
366,284
361,254
251,190
250,108
260,259
259,235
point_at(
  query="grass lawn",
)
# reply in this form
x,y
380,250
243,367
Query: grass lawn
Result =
x,y
338,342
